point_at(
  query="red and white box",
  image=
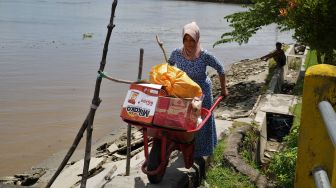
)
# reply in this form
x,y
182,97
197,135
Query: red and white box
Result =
x,y
176,113
140,102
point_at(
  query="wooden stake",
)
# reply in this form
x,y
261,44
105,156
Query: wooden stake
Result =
x,y
129,127
162,48
87,124
96,100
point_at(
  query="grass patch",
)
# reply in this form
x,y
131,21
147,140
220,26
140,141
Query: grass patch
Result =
x,y
218,153
285,47
222,176
236,124
311,58
281,170
294,64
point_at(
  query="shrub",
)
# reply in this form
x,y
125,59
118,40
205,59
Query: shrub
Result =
x,y
282,167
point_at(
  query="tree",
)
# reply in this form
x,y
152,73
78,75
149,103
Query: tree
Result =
x,y
313,23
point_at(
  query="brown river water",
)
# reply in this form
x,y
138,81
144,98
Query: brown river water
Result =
x,y
48,70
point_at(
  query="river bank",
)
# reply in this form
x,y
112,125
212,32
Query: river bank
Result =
x,y
48,72
245,80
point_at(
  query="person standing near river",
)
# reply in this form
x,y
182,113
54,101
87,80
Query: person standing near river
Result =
x,y
193,60
280,58
278,55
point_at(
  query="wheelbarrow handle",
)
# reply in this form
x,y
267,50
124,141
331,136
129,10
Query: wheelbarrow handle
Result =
x,y
207,114
215,103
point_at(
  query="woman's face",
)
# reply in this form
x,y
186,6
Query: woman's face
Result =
x,y
189,43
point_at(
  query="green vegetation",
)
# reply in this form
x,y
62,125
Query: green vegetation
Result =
x,y
282,166
311,20
281,169
248,147
311,58
223,176
294,64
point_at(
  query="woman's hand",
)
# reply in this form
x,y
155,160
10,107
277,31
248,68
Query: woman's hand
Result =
x,y
225,92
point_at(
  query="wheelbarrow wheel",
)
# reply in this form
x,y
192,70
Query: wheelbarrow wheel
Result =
x,y
154,160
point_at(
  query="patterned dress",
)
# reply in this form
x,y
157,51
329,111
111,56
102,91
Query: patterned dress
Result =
x,y
206,138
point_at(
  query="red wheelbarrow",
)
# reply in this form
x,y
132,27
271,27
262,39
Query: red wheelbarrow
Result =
x,y
165,141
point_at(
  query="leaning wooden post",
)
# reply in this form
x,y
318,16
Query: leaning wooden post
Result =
x,y
160,43
96,100
129,127
95,103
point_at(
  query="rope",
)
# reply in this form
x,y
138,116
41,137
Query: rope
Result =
x,y
93,106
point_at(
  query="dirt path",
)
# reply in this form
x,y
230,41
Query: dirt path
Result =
x,y
246,82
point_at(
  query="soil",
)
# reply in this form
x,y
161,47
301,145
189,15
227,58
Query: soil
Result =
x,y
245,82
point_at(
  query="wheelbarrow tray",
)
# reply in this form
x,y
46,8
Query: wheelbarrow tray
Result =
x,y
176,134
168,139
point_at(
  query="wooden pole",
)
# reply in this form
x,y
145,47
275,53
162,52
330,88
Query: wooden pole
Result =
x,y
140,64
129,127
160,43
87,124
96,100
128,156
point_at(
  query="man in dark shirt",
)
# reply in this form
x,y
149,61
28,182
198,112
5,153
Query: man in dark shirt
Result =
x,y
280,58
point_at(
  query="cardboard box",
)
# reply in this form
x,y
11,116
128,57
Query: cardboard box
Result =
x,y
176,113
140,102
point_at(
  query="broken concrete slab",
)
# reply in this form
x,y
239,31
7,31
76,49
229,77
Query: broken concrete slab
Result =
x,y
222,127
112,148
71,175
110,171
277,103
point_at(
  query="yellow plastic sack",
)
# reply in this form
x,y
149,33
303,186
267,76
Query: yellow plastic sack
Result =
x,y
176,82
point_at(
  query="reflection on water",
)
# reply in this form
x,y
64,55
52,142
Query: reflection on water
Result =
x,y
48,70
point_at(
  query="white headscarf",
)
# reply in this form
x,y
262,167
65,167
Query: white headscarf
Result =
x,y
193,30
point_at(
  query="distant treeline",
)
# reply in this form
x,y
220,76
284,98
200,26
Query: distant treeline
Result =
x,y
226,1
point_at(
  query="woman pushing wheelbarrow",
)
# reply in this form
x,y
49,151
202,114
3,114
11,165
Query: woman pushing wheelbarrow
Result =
x,y
193,60
194,139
